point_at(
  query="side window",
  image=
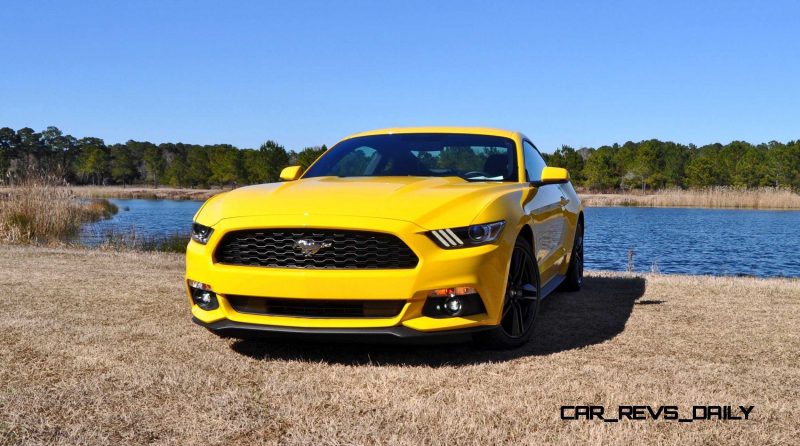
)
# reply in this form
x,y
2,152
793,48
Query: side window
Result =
x,y
533,162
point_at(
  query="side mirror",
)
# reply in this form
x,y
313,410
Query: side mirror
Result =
x,y
552,175
291,173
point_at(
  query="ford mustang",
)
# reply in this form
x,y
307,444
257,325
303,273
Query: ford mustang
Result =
x,y
399,233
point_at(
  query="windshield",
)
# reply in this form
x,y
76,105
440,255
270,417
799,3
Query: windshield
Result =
x,y
471,157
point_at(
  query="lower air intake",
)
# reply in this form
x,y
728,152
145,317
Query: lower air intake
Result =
x,y
317,308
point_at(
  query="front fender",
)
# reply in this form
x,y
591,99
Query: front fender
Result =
x,y
210,213
510,208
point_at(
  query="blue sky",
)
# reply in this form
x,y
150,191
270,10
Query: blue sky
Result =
x,y
307,73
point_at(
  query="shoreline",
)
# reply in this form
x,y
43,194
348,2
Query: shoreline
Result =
x,y
145,192
593,202
767,199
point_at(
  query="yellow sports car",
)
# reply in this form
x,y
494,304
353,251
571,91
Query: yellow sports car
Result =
x,y
401,233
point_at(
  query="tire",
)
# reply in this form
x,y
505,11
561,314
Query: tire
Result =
x,y
574,279
520,304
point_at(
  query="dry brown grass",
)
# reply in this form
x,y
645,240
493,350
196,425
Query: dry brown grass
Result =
x,y
143,192
98,348
150,193
714,197
38,210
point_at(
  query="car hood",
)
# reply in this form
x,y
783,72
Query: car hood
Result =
x,y
427,202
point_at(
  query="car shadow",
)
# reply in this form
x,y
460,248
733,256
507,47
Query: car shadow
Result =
x,y
566,321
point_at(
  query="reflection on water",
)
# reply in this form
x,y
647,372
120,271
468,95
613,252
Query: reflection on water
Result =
x,y
671,241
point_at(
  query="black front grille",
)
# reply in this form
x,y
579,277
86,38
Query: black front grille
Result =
x,y
316,307
342,249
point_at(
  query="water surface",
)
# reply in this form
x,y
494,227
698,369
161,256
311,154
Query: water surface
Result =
x,y
146,219
667,240
694,241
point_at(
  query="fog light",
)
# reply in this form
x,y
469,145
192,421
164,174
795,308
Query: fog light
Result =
x,y
453,302
453,306
203,298
202,295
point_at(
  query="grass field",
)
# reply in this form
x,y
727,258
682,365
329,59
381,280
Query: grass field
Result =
x,y
98,348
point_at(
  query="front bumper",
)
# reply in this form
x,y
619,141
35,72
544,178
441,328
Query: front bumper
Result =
x,y
228,328
483,268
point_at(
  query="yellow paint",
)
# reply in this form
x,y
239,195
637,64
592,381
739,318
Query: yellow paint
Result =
x,y
554,175
404,206
291,173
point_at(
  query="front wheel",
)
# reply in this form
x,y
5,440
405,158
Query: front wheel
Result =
x,y
521,303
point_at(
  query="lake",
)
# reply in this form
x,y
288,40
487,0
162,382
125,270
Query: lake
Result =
x,y
667,240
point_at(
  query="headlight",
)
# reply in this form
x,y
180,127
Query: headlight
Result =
x,y
467,236
201,233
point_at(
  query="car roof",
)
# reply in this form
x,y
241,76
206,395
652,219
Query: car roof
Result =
x,y
465,130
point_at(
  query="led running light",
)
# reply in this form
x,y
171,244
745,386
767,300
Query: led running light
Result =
x,y
466,236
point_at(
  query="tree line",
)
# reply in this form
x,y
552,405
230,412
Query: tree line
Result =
x,y
650,164
90,161
655,164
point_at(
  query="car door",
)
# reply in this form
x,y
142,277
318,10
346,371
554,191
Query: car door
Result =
x,y
547,213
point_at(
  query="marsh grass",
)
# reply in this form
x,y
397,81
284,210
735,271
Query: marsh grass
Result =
x,y
42,210
144,192
172,243
712,197
130,239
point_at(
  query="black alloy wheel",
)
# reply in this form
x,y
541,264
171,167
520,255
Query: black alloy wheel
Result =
x,y
521,303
